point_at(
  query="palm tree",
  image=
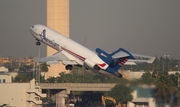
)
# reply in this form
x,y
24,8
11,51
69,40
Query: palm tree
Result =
x,y
165,89
173,92
44,67
161,93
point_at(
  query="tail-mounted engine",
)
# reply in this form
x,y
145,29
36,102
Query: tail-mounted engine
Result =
x,y
91,64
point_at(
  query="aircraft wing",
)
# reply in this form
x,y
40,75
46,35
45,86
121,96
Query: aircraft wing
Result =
x,y
56,58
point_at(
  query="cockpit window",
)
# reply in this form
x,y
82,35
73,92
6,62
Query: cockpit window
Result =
x,y
32,26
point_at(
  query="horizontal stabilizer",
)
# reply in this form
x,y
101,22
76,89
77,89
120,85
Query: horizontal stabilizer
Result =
x,y
141,56
151,60
121,53
136,61
130,63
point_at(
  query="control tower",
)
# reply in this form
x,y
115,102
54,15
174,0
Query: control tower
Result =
x,y
57,19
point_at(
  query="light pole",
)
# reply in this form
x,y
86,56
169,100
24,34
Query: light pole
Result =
x,y
34,66
166,65
163,65
38,43
39,63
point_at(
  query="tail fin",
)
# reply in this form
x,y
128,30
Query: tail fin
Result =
x,y
122,61
115,60
121,55
104,55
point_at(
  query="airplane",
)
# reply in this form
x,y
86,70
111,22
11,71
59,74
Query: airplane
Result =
x,y
71,53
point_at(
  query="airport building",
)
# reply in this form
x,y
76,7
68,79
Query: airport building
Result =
x,y
142,96
4,76
57,19
20,95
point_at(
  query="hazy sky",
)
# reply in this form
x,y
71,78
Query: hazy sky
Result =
x,y
149,27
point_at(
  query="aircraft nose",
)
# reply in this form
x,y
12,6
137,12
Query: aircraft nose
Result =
x,y
33,28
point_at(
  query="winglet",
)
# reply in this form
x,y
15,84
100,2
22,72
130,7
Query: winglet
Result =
x,y
151,60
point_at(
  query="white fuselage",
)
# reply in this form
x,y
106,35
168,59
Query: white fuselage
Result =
x,y
70,48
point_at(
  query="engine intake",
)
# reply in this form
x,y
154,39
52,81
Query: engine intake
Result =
x,y
97,67
117,74
91,64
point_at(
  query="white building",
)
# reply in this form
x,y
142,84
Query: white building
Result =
x,y
4,76
21,94
142,97
4,69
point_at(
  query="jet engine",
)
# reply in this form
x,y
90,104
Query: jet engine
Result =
x,y
91,64
117,74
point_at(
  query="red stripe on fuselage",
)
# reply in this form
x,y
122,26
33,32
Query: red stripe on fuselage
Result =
x,y
80,57
74,54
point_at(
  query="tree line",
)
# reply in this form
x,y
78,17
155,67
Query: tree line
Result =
x,y
166,89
